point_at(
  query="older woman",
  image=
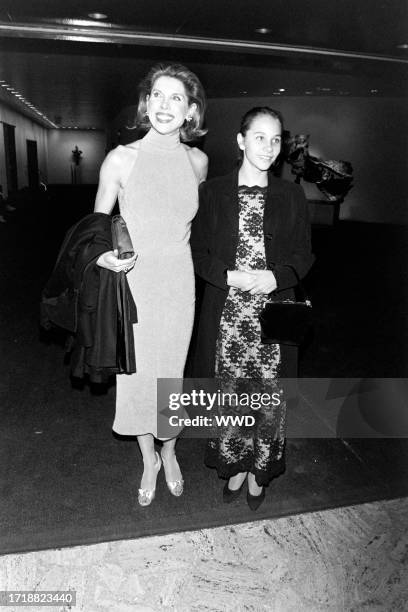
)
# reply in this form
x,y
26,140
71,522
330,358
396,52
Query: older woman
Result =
x,y
156,180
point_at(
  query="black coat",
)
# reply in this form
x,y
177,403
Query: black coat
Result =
x,y
214,241
91,302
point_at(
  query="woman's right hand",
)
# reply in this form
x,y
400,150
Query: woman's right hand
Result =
x,y
240,279
110,261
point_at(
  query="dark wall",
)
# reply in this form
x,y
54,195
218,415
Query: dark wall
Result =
x,y
371,133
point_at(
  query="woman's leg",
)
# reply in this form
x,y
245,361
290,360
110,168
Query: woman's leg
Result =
x,y
171,466
150,466
253,488
235,482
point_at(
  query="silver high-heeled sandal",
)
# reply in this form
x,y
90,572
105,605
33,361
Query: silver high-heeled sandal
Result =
x,y
176,487
146,496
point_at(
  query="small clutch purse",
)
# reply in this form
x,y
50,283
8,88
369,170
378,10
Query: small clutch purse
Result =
x,y
121,238
287,322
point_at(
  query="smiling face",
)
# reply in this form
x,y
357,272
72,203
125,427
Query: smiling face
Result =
x,y
167,105
261,143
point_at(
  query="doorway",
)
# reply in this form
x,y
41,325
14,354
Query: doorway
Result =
x,y
11,158
32,164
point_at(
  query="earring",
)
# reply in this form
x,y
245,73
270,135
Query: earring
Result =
x,y
189,118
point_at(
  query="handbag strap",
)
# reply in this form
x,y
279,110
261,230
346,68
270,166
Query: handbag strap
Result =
x,y
303,294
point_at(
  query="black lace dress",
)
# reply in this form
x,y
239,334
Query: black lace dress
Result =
x,y
246,367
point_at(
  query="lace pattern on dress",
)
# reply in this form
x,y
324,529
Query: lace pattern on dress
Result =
x,y
244,365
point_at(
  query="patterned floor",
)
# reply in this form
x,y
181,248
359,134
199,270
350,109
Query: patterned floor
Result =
x,y
344,560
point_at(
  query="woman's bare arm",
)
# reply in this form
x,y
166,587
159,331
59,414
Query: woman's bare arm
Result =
x,y
108,189
199,161
109,182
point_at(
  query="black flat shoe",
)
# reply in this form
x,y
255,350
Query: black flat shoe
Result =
x,y
254,501
229,495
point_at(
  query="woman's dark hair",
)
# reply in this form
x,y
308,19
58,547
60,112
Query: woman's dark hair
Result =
x,y
248,118
190,130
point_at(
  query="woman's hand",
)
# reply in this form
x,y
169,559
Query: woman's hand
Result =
x,y
264,281
241,279
110,261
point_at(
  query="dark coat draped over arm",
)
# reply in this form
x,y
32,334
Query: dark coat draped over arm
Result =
x,y
214,241
94,304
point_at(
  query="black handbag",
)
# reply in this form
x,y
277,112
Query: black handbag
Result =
x,y
288,321
121,238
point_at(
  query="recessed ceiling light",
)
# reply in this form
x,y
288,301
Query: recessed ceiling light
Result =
x,y
244,92
97,15
403,46
373,90
263,30
282,89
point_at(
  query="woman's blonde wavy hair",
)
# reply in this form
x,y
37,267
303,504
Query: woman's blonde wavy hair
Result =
x,y
190,130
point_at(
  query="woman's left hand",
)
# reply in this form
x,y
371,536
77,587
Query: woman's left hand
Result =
x,y
265,282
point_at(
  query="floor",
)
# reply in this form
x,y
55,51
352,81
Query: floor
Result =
x,y
351,559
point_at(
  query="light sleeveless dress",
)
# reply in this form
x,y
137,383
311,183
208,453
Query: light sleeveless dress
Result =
x,y
158,202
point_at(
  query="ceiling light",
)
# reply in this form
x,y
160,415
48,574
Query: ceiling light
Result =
x,y
282,89
97,15
403,46
373,90
263,30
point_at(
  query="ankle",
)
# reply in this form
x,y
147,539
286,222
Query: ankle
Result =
x,y
151,461
253,487
236,481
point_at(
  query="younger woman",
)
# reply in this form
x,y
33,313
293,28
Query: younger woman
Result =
x,y
251,229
